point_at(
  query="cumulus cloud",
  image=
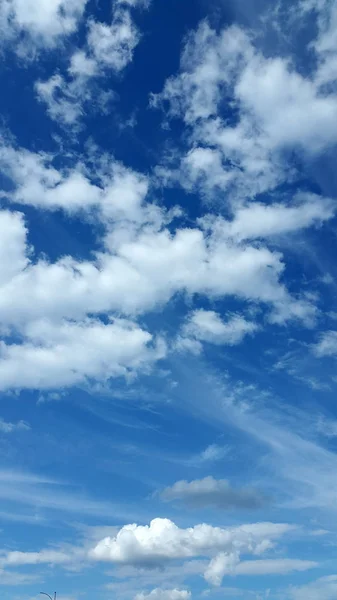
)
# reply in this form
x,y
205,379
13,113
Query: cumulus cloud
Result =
x,y
223,564
207,326
43,21
147,257
112,45
256,220
141,249
60,355
162,540
277,109
107,47
213,492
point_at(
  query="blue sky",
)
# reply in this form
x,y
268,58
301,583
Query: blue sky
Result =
x,y
168,312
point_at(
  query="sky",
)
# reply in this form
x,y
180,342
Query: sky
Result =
x,y
168,284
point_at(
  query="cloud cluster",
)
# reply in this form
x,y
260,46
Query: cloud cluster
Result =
x,y
65,354
147,257
108,47
274,109
162,541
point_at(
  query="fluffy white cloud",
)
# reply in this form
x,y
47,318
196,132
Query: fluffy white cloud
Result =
x,y
277,109
213,492
107,47
37,182
327,345
133,277
223,564
112,45
162,540
145,261
15,558
257,220
64,101
59,355
44,21
207,326
160,594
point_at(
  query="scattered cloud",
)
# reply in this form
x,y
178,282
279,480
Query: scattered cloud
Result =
x,y
277,109
213,492
44,22
107,48
6,427
327,345
162,594
207,326
324,588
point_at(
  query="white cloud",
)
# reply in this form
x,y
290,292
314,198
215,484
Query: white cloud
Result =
x,y
162,540
213,453
54,557
129,276
207,326
6,427
13,249
37,182
223,564
64,101
327,427
107,47
44,21
213,492
327,346
134,3
112,46
256,220
132,275
161,594
229,564
324,588
64,354
274,566
277,109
